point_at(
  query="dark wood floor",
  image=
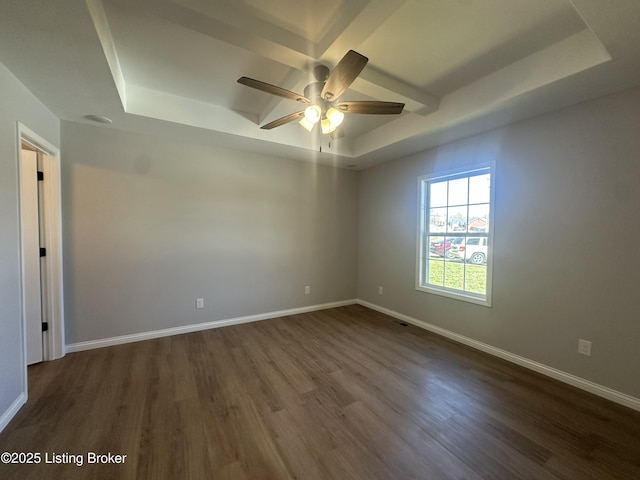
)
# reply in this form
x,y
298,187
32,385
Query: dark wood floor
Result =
x,y
342,394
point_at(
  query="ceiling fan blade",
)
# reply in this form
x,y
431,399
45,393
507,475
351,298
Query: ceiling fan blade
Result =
x,y
283,120
346,71
371,107
272,89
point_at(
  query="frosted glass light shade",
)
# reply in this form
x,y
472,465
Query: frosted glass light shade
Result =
x,y
312,113
308,126
335,116
326,126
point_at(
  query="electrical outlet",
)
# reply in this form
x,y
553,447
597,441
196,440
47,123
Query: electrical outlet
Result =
x,y
199,302
584,347
379,290
307,290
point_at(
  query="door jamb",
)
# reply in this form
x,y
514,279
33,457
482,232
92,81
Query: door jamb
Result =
x,y
54,337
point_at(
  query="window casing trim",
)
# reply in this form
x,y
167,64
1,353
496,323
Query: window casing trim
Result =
x,y
422,246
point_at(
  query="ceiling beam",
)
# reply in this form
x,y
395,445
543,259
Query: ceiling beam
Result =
x,y
377,84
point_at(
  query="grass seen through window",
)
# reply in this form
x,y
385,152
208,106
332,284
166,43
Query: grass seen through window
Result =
x,y
473,278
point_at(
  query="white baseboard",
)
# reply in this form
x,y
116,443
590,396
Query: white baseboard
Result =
x,y
581,383
596,389
12,410
137,337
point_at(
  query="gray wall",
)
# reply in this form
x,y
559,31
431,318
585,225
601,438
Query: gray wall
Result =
x,y
150,224
16,104
567,219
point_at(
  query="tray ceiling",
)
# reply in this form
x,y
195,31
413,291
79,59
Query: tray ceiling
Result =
x,y
460,66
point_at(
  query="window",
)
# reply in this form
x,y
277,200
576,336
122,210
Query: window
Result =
x,y
455,233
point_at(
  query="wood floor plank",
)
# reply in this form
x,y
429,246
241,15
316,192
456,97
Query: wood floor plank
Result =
x,y
345,393
418,428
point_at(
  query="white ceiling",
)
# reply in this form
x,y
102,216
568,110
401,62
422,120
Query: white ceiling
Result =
x,y
169,67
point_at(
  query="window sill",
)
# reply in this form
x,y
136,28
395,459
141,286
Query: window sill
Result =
x,y
456,295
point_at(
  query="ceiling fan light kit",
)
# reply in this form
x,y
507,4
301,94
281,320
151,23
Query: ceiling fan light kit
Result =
x,y
326,126
322,97
313,113
335,116
307,124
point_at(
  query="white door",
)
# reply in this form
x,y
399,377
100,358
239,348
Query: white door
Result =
x,y
31,255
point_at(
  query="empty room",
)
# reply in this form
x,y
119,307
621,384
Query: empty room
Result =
x,y
338,240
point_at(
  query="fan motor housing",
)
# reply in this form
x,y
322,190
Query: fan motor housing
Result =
x,y
313,91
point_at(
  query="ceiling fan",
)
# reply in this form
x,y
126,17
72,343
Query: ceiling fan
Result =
x,y
322,97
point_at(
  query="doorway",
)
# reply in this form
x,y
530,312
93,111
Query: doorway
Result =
x,y
41,252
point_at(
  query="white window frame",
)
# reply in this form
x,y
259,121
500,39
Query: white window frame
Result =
x,y
422,254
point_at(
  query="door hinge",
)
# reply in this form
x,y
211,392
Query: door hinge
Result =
x,y
45,326
43,252
40,175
